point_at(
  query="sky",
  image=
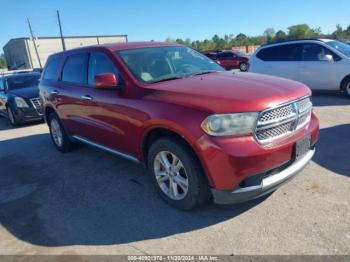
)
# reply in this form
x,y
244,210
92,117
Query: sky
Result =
x,y
158,19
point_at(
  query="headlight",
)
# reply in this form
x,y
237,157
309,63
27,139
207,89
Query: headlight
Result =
x,y
230,124
20,102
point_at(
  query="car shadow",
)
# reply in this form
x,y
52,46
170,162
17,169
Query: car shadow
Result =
x,y
88,197
5,124
333,149
329,98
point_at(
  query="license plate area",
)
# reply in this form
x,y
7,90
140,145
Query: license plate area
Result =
x,y
302,147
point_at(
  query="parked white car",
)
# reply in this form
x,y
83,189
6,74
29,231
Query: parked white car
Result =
x,y
322,64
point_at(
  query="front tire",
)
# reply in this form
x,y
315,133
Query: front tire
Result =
x,y
346,87
177,174
12,117
58,134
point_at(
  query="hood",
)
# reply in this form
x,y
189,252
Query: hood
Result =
x,y
226,92
27,92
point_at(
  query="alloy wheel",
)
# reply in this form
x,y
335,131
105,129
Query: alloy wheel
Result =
x,y
243,67
347,89
56,132
171,175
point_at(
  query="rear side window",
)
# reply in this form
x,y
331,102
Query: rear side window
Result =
x,y
51,68
290,52
225,55
99,63
74,70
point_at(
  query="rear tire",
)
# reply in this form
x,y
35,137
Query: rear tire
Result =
x,y
12,117
183,184
243,67
58,134
345,88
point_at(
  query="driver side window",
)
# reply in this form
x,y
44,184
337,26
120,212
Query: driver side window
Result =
x,y
99,63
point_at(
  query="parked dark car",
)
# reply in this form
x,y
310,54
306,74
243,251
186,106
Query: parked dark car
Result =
x,y
19,97
229,59
202,132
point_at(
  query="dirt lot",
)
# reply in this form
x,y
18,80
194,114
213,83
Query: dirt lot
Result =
x,y
91,202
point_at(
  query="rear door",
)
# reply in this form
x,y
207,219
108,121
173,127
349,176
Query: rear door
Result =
x,y
315,71
69,100
282,60
227,60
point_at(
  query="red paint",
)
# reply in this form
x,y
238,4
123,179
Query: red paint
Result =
x,y
122,119
105,80
231,60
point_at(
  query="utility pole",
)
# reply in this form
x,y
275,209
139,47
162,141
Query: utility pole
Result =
x,y
36,49
59,24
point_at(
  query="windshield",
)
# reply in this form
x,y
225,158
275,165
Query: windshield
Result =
x,y
155,64
341,47
17,82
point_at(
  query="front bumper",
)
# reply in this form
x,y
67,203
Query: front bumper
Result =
x,y
24,115
268,184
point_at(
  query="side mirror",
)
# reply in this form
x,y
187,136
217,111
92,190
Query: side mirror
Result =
x,y
105,81
327,58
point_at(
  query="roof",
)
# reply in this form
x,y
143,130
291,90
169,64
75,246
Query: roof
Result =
x,y
296,40
134,45
119,46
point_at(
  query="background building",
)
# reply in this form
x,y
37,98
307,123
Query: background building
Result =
x,y
20,52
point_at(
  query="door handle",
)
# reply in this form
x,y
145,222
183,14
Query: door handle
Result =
x,y
54,92
86,97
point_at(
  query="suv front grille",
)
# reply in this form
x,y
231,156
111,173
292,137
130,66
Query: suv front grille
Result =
x,y
283,120
36,102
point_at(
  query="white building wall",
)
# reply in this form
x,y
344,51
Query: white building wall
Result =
x,y
23,51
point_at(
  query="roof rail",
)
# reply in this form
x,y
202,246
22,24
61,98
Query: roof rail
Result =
x,y
292,40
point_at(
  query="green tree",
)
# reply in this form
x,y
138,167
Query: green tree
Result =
x,y
2,61
280,36
299,31
269,33
241,39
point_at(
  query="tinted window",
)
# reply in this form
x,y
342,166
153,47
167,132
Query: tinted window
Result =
x,y
315,52
225,55
281,53
100,64
74,70
51,69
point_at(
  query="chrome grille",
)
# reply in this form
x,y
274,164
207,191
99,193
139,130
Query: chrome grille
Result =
x,y
280,112
36,102
282,120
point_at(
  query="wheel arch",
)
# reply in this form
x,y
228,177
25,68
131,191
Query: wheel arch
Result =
x,y
48,111
343,81
158,132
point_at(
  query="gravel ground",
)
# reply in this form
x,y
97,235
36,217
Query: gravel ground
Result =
x,y
91,202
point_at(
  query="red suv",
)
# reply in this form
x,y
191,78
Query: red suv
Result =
x,y
202,132
229,59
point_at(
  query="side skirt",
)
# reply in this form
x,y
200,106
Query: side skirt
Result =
x,y
105,148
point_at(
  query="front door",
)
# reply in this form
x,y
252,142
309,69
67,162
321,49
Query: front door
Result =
x,y
104,107
315,71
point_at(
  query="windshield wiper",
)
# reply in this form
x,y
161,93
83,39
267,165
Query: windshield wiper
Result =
x,y
204,73
167,79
